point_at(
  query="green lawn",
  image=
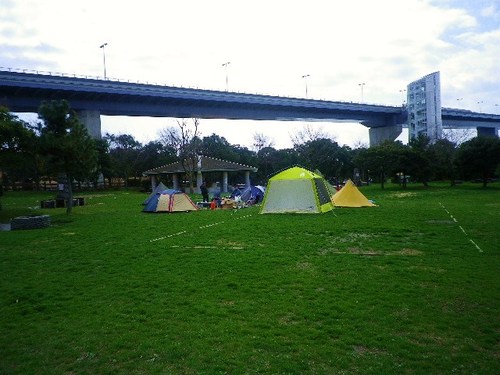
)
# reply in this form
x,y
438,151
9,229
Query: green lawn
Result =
x,y
411,287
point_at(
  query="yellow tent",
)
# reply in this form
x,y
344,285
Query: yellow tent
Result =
x,y
350,196
170,201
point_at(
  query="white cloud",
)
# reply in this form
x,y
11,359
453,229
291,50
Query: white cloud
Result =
x,y
490,11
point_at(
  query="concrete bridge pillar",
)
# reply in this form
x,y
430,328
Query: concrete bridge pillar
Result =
x,y
487,132
92,121
385,133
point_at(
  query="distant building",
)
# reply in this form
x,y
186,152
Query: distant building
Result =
x,y
424,107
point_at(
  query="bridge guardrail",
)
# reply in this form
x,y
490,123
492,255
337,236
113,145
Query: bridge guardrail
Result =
x,y
118,80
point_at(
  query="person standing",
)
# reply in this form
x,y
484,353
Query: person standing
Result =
x,y
204,191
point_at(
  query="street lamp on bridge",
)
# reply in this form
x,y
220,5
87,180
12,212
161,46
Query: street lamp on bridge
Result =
x,y
227,81
104,57
402,96
479,105
305,79
361,85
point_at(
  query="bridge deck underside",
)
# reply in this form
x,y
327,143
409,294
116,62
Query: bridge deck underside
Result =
x,y
23,92
133,105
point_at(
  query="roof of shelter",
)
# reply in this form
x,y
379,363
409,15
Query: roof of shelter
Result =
x,y
205,164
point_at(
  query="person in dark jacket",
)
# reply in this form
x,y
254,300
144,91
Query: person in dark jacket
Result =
x,y
204,191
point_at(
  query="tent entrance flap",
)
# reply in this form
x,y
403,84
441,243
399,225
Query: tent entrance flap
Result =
x,y
282,197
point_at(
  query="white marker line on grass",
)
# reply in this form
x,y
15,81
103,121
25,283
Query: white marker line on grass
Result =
x,y
202,227
461,228
444,208
211,225
170,235
477,247
242,217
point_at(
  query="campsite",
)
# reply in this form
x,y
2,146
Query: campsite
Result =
x,y
410,286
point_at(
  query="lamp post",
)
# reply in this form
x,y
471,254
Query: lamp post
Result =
x,y
104,57
227,81
361,85
479,105
402,96
305,79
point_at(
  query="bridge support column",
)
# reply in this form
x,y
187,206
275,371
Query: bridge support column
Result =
x,y
386,133
92,121
487,132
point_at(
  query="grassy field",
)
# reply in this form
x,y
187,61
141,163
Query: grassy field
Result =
x,y
409,287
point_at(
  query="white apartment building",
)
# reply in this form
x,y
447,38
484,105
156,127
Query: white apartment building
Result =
x,y
424,107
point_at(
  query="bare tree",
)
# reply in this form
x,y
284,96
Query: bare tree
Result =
x,y
185,139
309,133
359,143
458,136
261,141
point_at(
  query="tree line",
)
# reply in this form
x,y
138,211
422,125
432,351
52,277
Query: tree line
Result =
x,y
58,144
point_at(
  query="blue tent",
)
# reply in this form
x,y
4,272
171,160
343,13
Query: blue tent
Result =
x,y
158,189
251,194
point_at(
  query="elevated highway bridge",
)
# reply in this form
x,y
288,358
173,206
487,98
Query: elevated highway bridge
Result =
x,y
92,97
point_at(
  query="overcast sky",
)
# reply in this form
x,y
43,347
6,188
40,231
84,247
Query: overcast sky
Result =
x,y
271,45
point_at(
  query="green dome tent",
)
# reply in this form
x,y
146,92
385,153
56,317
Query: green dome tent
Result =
x,y
296,190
